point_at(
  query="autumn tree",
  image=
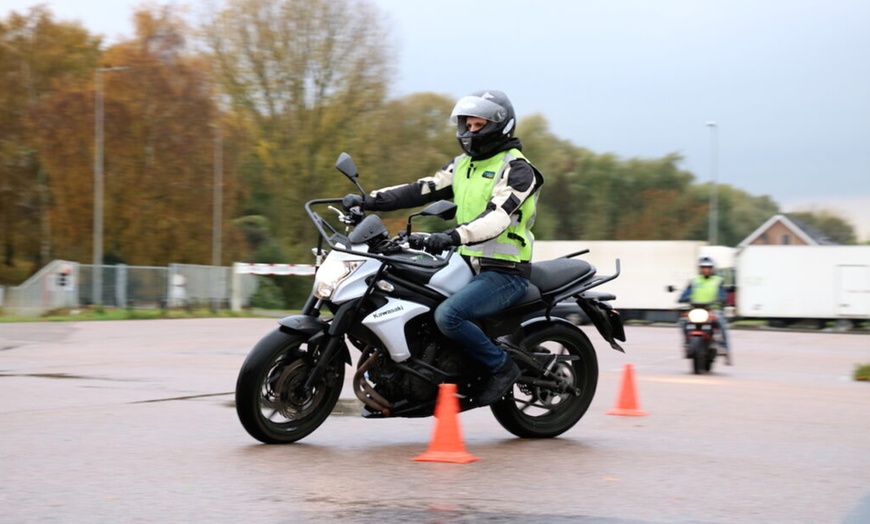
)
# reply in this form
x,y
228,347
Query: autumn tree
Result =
x,y
406,139
559,209
836,228
592,196
160,122
38,58
739,213
604,197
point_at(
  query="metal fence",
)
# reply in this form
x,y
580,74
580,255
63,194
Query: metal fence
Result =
x,y
63,284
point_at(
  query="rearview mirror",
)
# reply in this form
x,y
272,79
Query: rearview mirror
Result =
x,y
346,165
442,209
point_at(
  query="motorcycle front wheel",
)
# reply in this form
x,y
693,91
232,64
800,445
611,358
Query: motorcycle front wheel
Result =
x,y
698,350
271,402
531,411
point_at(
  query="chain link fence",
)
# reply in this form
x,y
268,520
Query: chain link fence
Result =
x,y
62,284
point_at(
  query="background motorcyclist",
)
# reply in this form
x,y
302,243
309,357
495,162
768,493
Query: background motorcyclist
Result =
x,y
496,192
708,288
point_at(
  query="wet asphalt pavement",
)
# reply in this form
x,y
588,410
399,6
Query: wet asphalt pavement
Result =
x,y
133,421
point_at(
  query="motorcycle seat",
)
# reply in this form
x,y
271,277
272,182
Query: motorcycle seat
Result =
x,y
551,275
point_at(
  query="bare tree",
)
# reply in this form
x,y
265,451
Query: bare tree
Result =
x,y
304,74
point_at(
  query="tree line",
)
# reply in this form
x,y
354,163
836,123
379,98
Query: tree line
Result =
x,y
269,92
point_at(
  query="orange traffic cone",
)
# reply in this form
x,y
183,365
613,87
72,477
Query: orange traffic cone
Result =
x,y
627,402
446,444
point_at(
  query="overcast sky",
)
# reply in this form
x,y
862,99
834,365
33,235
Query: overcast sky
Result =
x,y
786,81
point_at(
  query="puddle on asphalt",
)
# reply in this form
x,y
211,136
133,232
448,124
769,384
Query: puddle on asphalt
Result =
x,y
344,407
51,375
185,397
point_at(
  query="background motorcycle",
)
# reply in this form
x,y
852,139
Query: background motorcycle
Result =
x,y
378,295
700,329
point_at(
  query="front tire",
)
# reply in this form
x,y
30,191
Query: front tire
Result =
x,y
539,412
271,403
699,355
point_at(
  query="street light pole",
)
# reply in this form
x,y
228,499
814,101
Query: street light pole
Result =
x,y
714,197
97,281
217,197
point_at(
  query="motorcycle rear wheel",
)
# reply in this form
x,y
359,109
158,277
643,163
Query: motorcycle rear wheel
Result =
x,y
538,412
271,403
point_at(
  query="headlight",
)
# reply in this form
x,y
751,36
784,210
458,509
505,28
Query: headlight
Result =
x,y
699,316
331,274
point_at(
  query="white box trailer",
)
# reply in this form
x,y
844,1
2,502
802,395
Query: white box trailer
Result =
x,y
804,282
649,269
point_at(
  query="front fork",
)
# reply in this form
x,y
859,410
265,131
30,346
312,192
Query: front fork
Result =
x,y
331,349
331,340
324,343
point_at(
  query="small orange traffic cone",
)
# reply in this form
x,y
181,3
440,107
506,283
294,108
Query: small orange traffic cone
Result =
x,y
446,444
627,403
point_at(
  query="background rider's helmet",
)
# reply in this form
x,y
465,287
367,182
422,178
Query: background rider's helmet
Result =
x,y
706,262
493,106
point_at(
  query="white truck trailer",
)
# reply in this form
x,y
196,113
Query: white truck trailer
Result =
x,y
816,283
653,272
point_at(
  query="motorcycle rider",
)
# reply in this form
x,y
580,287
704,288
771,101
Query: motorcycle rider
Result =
x,y
708,288
496,191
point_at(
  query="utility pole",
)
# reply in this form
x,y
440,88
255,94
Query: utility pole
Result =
x,y
714,196
97,281
217,213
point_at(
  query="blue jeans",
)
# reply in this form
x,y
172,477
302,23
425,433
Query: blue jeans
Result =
x,y
488,293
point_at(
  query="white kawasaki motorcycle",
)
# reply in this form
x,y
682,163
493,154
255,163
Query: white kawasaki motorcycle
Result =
x,y
377,294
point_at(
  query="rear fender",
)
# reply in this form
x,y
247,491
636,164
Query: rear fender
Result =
x,y
605,319
534,324
531,326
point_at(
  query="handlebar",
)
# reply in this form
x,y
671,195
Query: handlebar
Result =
x,y
341,243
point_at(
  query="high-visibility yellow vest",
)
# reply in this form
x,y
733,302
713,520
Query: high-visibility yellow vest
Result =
x,y
473,183
705,290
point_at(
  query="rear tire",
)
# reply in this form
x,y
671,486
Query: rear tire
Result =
x,y
538,412
270,401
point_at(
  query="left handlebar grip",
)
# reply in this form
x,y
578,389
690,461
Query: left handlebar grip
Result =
x,y
416,241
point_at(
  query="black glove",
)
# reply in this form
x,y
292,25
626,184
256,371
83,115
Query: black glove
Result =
x,y
416,241
353,200
438,242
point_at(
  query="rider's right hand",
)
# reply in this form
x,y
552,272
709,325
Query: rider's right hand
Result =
x,y
352,200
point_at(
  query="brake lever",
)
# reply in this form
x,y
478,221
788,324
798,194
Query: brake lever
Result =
x,y
354,216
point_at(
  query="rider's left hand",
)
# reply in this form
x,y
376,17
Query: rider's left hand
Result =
x,y
351,201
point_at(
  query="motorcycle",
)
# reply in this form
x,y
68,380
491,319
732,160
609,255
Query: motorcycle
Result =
x,y
377,294
701,328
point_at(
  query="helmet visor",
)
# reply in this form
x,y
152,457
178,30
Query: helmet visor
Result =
x,y
479,107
